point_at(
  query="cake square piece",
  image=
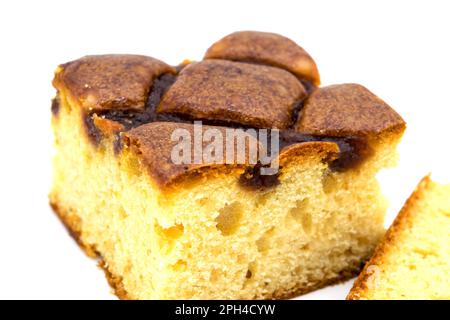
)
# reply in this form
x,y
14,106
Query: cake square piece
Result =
x,y
235,177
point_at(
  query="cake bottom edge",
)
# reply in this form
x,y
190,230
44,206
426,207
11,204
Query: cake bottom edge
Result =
x,y
73,228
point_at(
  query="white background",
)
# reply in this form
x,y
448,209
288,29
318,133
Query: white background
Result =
x,y
398,49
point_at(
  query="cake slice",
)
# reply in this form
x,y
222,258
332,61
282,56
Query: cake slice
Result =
x,y
413,259
273,220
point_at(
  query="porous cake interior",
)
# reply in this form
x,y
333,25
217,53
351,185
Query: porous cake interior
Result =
x,y
213,238
413,262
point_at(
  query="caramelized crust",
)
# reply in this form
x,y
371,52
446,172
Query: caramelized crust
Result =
x,y
347,110
135,94
266,48
233,92
110,81
154,142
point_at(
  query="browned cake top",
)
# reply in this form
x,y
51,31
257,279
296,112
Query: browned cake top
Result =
x,y
111,81
242,93
266,48
149,99
347,110
153,141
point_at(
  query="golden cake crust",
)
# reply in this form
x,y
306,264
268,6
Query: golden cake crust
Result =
x,y
347,110
153,144
266,48
110,81
119,93
242,93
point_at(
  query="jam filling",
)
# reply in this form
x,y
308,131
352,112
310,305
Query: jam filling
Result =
x,y
131,118
353,150
253,179
55,106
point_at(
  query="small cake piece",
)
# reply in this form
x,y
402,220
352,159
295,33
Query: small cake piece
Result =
x,y
413,259
168,223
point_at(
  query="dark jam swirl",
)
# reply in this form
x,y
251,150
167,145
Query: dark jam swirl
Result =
x,y
352,152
